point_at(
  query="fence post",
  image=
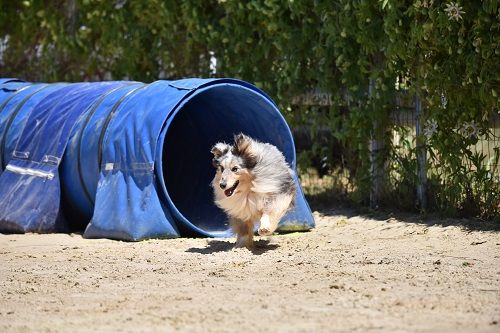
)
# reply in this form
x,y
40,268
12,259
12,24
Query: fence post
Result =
x,y
376,145
421,158
71,12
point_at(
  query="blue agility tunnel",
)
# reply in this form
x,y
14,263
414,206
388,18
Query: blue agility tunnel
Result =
x,y
127,160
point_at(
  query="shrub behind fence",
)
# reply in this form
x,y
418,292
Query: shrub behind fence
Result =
x,y
408,90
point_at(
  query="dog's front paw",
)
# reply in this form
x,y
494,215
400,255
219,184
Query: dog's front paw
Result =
x,y
243,242
265,228
240,242
264,231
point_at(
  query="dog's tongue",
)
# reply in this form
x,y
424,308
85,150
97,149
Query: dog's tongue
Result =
x,y
229,192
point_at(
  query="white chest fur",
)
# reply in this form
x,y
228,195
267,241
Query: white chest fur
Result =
x,y
246,206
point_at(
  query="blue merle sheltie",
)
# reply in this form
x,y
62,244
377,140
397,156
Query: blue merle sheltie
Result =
x,y
253,184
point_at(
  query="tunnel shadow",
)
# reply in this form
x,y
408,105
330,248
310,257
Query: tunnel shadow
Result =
x,y
261,246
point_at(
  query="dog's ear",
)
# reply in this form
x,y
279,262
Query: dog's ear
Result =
x,y
241,144
218,150
243,148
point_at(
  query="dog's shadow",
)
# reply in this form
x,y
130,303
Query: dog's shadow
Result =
x,y
260,247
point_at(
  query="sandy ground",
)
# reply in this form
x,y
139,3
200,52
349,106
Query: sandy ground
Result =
x,y
349,274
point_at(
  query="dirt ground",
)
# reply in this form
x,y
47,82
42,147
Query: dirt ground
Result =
x,y
351,273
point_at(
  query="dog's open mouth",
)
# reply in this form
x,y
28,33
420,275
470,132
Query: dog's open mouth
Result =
x,y
229,192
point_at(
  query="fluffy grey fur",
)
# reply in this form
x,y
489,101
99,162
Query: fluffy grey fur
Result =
x,y
253,185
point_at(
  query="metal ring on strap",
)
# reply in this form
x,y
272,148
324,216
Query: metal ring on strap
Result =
x,y
108,120
9,123
80,136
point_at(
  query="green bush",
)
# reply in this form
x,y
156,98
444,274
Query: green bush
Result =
x,y
367,54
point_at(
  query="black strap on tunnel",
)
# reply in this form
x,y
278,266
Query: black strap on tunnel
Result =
x,y
80,137
14,94
9,80
9,123
108,120
11,120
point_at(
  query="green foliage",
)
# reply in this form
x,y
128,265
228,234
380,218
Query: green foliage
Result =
x,y
444,52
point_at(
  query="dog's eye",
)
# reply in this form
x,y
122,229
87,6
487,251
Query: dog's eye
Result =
x,y
221,168
234,169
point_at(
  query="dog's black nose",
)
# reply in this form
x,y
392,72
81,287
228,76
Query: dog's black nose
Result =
x,y
222,185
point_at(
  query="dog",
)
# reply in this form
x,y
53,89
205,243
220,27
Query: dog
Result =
x,y
253,184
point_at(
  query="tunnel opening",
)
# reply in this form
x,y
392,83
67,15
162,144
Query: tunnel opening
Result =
x,y
213,114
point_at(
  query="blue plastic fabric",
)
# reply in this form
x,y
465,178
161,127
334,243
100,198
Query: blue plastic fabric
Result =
x,y
30,190
132,158
81,165
127,166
